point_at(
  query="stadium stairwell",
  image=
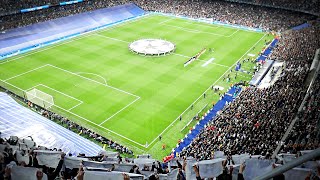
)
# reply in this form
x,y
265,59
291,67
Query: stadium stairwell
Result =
x,y
228,97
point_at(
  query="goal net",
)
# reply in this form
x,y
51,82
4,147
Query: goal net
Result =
x,y
40,98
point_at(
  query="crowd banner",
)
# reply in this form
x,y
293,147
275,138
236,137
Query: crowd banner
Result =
x,y
73,162
239,159
256,167
95,164
190,174
22,158
100,175
25,173
210,168
48,158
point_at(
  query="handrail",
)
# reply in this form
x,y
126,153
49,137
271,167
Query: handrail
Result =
x,y
294,163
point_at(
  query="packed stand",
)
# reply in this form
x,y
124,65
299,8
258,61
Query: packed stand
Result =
x,y
312,6
233,13
305,134
297,45
256,119
24,159
12,5
24,19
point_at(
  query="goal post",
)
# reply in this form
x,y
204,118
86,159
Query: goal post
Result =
x,y
40,98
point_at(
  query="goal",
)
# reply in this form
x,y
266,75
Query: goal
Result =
x,y
40,98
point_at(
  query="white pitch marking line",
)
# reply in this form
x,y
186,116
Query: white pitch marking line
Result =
x,y
137,97
207,62
60,92
233,33
181,55
94,81
85,119
105,81
119,111
115,39
166,21
210,62
195,31
75,106
202,23
80,102
199,60
25,72
206,91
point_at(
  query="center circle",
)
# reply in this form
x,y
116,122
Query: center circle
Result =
x,y
152,47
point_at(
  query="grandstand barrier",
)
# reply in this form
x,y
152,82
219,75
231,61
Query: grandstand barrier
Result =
x,y
301,26
229,97
34,9
268,50
70,2
210,21
281,169
25,39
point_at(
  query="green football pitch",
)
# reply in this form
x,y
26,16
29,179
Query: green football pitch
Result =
x,y
96,81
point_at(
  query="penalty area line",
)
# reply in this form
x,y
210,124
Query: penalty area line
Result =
x,y
83,118
119,111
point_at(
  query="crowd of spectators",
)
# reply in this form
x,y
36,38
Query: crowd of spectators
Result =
x,y
22,158
256,120
227,12
254,123
297,45
305,134
12,5
24,19
233,13
312,6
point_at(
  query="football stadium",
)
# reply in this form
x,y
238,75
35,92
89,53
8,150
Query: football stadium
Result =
x,y
181,89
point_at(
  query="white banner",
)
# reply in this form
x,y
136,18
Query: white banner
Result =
x,y
73,162
210,168
48,158
25,173
99,175
257,167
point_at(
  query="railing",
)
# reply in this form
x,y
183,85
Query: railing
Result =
x,y
281,169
